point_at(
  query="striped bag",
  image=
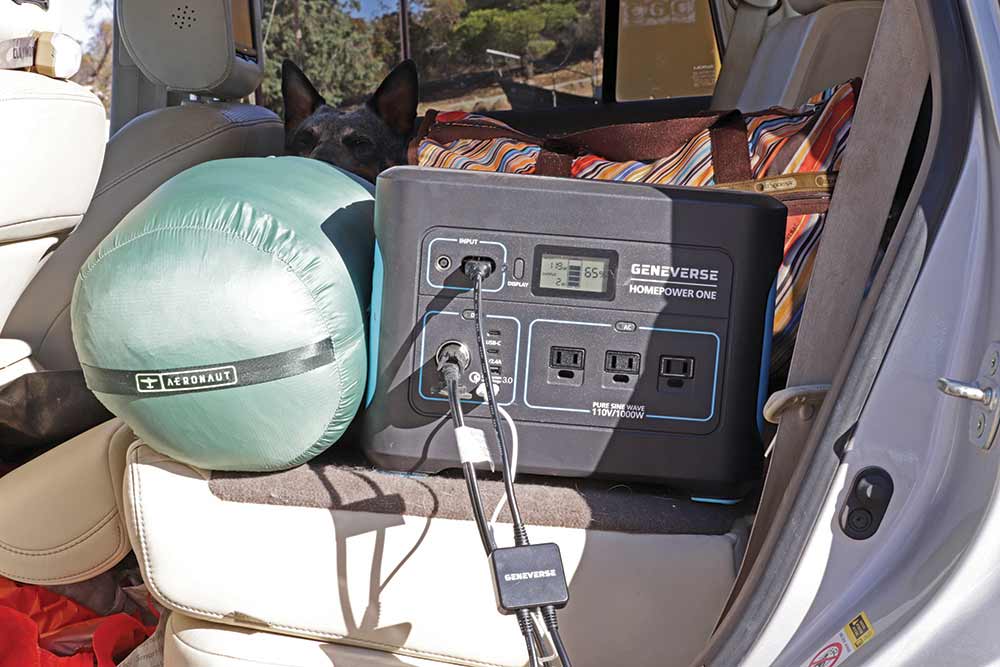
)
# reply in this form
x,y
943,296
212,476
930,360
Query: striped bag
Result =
x,y
791,154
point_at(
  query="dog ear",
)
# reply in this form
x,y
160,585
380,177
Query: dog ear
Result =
x,y
395,100
300,97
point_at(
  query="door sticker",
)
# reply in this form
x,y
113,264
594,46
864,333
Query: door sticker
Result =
x,y
848,639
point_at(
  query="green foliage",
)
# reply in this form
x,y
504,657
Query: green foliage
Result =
x,y
533,31
336,51
346,56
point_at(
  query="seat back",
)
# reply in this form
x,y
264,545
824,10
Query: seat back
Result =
x,y
146,152
827,44
52,135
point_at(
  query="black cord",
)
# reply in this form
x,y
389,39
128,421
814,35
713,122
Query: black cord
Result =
x,y
527,625
451,373
520,533
552,623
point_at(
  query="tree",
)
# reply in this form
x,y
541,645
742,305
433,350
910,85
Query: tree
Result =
x,y
532,31
335,50
95,66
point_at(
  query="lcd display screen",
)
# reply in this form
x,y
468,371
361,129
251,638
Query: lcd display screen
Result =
x,y
243,33
575,273
585,274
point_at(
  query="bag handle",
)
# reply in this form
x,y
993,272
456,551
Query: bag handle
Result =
x,y
629,141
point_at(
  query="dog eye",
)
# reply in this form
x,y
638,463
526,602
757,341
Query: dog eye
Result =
x,y
356,142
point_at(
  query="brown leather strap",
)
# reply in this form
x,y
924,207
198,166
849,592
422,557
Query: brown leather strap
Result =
x,y
629,141
554,164
730,153
425,127
633,141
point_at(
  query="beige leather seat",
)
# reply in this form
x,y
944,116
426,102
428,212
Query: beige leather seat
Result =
x,y
52,136
331,552
192,643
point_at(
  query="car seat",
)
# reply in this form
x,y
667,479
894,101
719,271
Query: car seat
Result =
x,y
144,153
328,564
52,136
828,43
67,545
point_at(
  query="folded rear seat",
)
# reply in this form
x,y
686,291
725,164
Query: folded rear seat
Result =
x,y
192,643
338,552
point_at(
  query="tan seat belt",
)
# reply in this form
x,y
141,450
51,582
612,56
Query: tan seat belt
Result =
x,y
891,94
749,26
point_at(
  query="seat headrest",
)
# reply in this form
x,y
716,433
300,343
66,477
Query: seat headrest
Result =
x,y
810,6
21,19
209,47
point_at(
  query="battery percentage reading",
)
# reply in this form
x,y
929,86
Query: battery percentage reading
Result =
x,y
583,274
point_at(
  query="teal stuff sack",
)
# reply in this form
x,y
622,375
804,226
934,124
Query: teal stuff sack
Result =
x,y
224,317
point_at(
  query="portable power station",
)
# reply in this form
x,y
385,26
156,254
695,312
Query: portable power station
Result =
x,y
626,325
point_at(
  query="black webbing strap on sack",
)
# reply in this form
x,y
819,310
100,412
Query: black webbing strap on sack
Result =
x,y
888,107
206,377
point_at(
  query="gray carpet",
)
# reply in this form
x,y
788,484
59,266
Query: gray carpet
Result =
x,y
343,481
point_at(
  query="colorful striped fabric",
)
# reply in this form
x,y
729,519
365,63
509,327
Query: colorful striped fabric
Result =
x,y
810,138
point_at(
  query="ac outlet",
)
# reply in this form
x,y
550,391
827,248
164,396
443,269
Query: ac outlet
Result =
x,y
622,363
571,358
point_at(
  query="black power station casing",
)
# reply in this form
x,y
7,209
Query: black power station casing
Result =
x,y
625,323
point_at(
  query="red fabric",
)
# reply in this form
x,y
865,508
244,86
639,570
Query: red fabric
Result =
x,y
36,623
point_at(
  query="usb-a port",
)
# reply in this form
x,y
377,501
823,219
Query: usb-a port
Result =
x,y
677,367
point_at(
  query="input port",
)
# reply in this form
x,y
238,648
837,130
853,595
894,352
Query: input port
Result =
x,y
443,263
622,362
567,357
677,367
467,260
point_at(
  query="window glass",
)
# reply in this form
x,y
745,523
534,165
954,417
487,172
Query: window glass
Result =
x,y
478,55
666,48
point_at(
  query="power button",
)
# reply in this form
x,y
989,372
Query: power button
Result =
x,y
518,268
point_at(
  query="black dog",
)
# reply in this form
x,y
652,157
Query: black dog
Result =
x,y
365,141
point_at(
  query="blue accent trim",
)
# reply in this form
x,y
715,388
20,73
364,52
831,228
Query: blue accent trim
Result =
x,y
430,260
717,501
715,373
715,377
423,357
374,324
765,357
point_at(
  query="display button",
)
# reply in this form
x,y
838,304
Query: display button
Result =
x,y
625,327
518,268
468,314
